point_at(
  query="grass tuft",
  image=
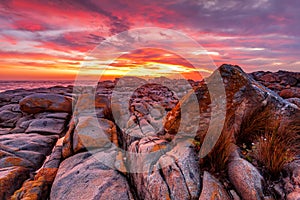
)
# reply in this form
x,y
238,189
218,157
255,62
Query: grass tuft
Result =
x,y
276,147
217,159
253,125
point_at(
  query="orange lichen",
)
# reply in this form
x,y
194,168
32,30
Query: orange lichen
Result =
x,y
158,147
37,188
14,161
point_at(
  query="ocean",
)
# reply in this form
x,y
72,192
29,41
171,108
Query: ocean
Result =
x,y
12,85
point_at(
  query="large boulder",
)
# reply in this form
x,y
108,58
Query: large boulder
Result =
x,y
41,102
245,99
83,176
98,105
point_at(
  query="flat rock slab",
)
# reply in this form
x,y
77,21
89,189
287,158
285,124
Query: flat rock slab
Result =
x,y
82,176
46,126
11,107
60,115
27,150
55,115
30,142
9,118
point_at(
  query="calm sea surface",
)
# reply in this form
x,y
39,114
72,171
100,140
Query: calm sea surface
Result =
x,y
12,85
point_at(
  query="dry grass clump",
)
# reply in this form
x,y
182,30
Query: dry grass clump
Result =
x,y
253,125
217,159
276,147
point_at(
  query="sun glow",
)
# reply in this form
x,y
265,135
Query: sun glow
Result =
x,y
143,62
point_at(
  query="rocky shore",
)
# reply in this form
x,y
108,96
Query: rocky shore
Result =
x,y
133,139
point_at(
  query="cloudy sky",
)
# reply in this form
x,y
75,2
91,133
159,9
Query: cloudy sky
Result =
x,y
52,39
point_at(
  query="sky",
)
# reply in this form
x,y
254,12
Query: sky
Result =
x,y
56,39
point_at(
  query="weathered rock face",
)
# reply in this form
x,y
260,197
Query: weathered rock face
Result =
x,y
46,102
21,154
87,178
39,187
244,97
11,178
89,133
135,139
148,105
212,188
162,172
246,179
